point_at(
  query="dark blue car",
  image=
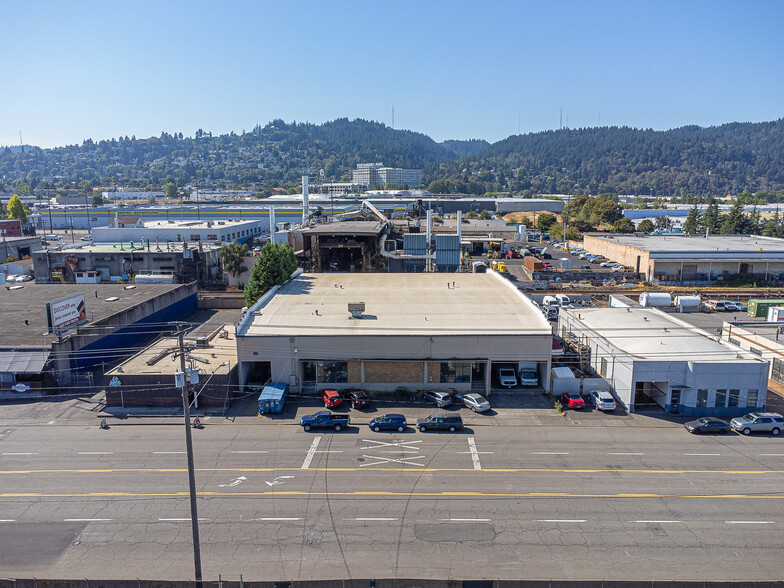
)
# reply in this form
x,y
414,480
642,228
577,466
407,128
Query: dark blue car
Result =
x,y
388,422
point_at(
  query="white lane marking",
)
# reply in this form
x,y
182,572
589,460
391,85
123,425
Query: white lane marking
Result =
x,y
467,520
95,453
474,455
549,453
183,519
169,452
560,520
623,453
658,521
762,454
394,443
278,480
50,422
403,460
329,451
279,519
20,453
375,519
311,452
84,520
698,454
248,452
7,520
234,482
749,522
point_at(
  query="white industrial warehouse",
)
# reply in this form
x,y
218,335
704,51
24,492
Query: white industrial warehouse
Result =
x,y
654,360
417,331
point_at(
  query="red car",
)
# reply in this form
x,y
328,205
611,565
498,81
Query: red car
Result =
x,y
331,398
572,400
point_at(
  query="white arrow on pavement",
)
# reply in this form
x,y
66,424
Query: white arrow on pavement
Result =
x,y
234,482
278,480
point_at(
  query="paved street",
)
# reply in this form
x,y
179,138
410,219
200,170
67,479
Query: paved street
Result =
x,y
556,501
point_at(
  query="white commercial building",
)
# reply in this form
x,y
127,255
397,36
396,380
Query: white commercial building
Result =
x,y
417,332
652,359
372,174
134,228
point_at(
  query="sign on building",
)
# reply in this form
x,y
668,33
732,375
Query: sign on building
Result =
x,y
66,313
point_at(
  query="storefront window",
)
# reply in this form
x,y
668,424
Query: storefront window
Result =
x,y
308,371
457,372
751,399
335,372
702,398
734,398
721,398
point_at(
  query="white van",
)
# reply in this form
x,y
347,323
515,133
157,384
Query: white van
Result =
x,y
551,301
563,300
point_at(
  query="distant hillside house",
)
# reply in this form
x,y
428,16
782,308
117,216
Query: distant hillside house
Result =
x,y
373,174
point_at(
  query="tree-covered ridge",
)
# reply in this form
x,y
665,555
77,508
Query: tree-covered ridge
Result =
x,y
711,161
691,160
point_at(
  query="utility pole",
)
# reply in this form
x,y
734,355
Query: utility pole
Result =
x,y
189,448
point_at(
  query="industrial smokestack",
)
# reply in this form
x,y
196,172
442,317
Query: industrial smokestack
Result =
x,y
427,230
272,223
305,210
459,225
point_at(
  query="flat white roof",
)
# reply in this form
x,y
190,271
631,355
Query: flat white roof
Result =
x,y
651,334
714,246
398,304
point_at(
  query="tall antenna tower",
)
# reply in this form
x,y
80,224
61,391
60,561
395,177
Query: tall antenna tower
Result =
x,y
560,121
21,144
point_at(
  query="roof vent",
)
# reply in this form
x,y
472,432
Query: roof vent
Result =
x,y
356,309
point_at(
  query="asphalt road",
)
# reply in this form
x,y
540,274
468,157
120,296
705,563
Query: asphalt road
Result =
x,y
565,502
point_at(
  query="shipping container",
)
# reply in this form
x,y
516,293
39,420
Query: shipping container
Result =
x,y
758,307
776,314
533,264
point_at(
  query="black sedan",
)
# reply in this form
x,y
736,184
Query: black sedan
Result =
x,y
707,425
358,397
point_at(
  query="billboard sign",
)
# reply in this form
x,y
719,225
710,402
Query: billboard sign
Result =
x,y
66,313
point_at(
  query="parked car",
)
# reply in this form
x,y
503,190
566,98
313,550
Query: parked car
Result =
x,y
585,267
572,400
475,402
758,422
87,238
714,305
440,399
740,307
388,422
357,397
507,377
324,419
331,398
440,422
602,400
707,425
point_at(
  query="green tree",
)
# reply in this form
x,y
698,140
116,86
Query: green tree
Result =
x,y
171,190
232,256
97,199
735,221
646,226
710,219
273,267
16,209
692,224
623,225
545,222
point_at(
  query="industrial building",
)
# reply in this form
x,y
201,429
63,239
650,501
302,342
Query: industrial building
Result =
x,y
387,332
764,339
125,262
653,360
134,228
19,247
678,258
147,378
39,353
373,174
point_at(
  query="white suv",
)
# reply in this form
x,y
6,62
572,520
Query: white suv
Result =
x,y
507,377
602,400
756,422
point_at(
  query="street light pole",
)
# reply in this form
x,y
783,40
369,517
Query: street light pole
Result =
x,y
189,448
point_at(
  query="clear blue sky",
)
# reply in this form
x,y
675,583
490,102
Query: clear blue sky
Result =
x,y
73,70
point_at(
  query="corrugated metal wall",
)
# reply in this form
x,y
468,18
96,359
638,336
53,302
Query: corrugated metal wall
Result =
x,y
415,245
447,253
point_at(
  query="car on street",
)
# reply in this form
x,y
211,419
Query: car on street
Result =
x,y
475,402
572,400
740,307
507,377
87,238
324,419
357,397
440,422
388,422
707,425
585,266
331,398
437,397
758,422
602,400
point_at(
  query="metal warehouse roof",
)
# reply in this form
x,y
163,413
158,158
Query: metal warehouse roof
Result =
x,y
657,336
719,247
397,304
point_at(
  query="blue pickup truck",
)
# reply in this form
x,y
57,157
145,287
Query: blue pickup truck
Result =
x,y
324,419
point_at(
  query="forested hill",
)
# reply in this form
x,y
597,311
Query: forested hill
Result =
x,y
710,161
705,161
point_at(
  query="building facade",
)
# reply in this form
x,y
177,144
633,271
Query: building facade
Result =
x,y
138,230
416,332
653,360
372,174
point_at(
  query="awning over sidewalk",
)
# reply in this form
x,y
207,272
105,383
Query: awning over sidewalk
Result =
x,y
23,362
